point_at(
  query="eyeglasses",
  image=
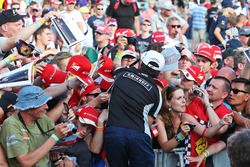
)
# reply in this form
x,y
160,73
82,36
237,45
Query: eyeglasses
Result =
x,y
236,91
175,26
93,94
99,8
16,8
146,24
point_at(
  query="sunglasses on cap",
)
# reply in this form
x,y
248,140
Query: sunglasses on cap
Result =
x,y
236,91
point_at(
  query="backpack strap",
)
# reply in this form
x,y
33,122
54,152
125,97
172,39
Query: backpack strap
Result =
x,y
117,3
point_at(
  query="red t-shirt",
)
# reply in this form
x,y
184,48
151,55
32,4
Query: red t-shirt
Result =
x,y
198,143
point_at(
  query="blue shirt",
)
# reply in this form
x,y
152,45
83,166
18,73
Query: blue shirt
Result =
x,y
220,22
199,14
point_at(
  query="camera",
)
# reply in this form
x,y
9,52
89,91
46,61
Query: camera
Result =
x,y
25,49
197,92
72,127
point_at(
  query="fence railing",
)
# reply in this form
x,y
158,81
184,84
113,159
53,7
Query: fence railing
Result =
x,y
170,159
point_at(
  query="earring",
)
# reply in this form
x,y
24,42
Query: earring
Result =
x,y
170,109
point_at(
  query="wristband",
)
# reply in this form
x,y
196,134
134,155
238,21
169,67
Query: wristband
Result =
x,y
208,105
99,129
7,61
179,138
208,153
54,137
11,57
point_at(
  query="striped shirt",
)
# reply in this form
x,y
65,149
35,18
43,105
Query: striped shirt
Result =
x,y
199,14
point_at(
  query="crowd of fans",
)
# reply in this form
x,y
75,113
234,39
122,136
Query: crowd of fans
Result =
x,y
148,75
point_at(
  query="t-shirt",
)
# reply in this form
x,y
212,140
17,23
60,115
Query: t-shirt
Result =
x,y
125,15
221,23
143,43
16,140
134,96
197,109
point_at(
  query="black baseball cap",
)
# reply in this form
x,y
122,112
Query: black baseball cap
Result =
x,y
229,52
9,15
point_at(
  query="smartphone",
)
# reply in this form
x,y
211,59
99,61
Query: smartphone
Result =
x,y
247,54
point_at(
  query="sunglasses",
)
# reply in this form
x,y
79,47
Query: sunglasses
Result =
x,y
16,8
99,8
35,10
236,91
175,26
93,94
146,24
99,33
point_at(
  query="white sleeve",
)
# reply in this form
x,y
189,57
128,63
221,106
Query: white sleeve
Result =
x,y
2,42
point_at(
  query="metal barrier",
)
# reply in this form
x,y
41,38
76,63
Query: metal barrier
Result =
x,y
170,159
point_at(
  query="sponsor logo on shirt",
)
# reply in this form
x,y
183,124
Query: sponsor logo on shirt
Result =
x,y
12,143
138,79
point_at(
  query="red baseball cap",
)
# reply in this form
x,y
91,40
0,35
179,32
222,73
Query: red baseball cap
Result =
x,y
202,45
126,32
207,53
194,73
130,1
163,83
70,1
88,86
158,37
51,74
217,52
87,115
79,65
106,67
103,29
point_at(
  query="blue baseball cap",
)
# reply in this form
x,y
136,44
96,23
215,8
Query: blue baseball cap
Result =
x,y
228,4
30,97
233,43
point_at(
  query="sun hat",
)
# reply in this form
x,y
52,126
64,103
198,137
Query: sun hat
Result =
x,y
30,97
155,57
87,115
194,73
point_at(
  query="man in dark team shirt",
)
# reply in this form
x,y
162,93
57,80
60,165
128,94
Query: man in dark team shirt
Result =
x,y
134,101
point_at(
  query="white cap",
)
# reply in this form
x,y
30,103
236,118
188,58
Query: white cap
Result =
x,y
153,56
130,53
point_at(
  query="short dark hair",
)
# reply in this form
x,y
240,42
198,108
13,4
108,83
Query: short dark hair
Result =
x,y
244,81
40,30
227,84
237,145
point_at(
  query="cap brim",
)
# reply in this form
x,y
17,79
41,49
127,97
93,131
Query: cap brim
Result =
x,y
25,105
187,75
87,121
